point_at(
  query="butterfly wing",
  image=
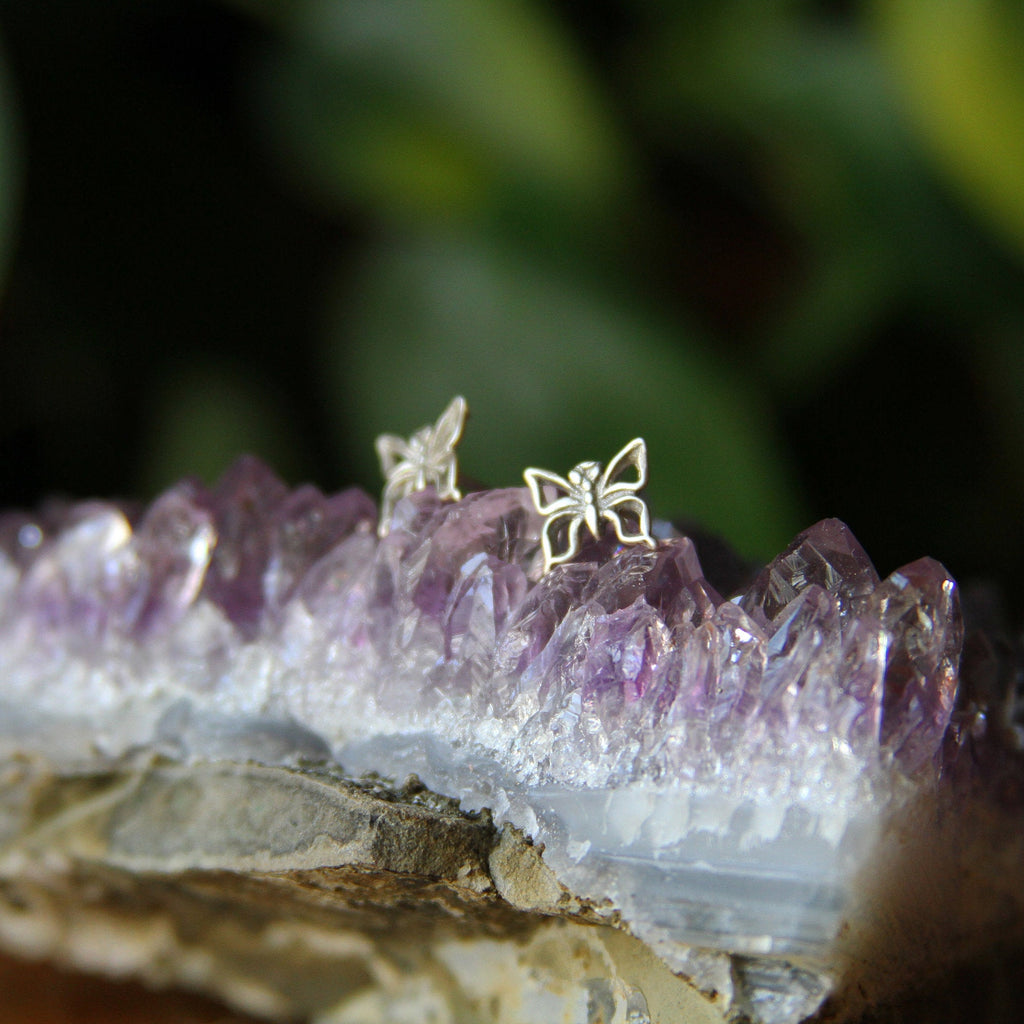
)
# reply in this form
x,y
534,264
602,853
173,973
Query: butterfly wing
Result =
x,y
536,479
638,511
572,538
634,454
616,498
390,450
448,429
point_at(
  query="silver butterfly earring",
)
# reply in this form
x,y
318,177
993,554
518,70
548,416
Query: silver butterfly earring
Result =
x,y
590,497
427,459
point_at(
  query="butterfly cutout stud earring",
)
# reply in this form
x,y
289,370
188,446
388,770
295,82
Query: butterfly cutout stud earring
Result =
x,y
591,496
427,459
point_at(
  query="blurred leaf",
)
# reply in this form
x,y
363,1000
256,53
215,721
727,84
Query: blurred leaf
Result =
x,y
961,66
811,106
431,108
555,372
10,175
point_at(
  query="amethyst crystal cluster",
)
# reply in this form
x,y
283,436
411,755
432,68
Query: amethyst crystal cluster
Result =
x,y
711,763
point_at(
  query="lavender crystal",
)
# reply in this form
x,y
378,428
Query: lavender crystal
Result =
x,y
712,764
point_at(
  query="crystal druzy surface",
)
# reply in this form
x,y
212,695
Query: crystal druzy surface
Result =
x,y
714,765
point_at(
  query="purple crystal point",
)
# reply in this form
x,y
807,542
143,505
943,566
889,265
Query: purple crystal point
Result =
x,y
475,616
624,649
687,682
615,678
304,528
805,636
446,578
621,579
711,675
534,622
828,555
676,586
174,542
919,607
501,524
84,580
856,718
243,501
741,662
334,597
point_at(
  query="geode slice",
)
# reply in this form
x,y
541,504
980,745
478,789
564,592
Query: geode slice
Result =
x,y
769,790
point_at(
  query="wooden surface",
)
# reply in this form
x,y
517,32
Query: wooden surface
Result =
x,y
32,993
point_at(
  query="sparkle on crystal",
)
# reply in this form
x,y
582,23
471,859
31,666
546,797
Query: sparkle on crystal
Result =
x,y
427,459
590,497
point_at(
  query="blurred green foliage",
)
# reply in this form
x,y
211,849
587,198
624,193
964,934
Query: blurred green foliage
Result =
x,y
559,372
440,112
962,70
783,242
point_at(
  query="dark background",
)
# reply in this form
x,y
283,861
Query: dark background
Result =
x,y
784,242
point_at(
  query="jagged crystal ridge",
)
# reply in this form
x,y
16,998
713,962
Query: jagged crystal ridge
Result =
x,y
619,708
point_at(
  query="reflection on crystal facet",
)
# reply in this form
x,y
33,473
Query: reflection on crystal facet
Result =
x,y
919,607
826,554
